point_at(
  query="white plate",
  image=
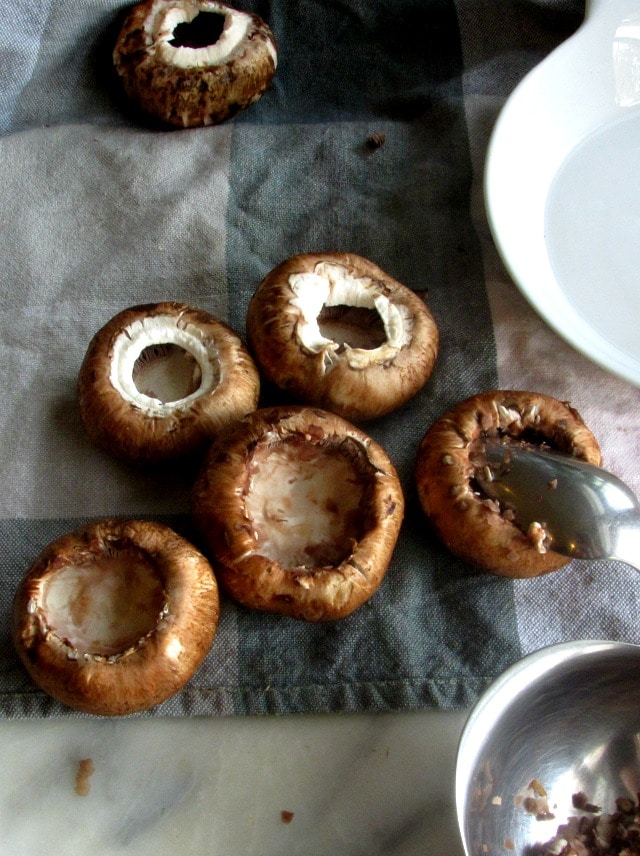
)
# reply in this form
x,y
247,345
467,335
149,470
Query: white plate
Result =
x,y
562,187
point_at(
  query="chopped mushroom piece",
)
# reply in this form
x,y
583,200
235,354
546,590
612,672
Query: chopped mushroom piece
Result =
x,y
83,776
594,834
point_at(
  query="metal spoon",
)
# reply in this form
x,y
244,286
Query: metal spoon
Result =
x,y
587,512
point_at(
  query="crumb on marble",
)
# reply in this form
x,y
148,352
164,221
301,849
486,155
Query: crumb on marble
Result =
x,y
286,816
83,776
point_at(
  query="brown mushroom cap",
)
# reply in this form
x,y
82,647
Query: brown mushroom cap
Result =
x,y
115,617
471,525
301,512
203,79
159,380
339,333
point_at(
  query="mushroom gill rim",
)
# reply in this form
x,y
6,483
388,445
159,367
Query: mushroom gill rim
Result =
x,y
150,338
331,285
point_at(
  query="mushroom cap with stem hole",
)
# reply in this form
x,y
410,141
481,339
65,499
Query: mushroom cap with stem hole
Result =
x,y
191,63
470,524
116,616
160,380
336,331
300,512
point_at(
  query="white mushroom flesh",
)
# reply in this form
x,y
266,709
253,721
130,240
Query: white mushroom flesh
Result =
x,y
332,285
104,607
304,503
187,364
160,29
538,536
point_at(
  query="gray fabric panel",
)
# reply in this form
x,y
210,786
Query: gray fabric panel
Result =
x,y
101,210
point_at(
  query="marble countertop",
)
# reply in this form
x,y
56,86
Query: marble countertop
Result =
x,y
238,786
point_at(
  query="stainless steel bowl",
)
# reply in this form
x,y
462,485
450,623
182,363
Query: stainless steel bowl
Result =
x,y
568,717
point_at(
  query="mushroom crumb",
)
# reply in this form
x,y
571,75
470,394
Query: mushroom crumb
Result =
x,y
581,802
83,776
286,816
538,536
535,801
375,141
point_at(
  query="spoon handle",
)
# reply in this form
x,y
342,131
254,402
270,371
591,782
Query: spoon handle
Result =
x,y
627,542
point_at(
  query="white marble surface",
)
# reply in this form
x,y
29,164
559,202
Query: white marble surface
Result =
x,y
356,784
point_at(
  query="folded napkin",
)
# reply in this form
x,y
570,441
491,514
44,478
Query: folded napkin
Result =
x,y
101,211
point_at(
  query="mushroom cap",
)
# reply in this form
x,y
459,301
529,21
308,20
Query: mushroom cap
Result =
x,y
300,511
224,382
390,365
189,86
471,525
116,616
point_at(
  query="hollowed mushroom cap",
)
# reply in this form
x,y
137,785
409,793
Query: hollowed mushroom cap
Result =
x,y
300,511
201,79
470,524
116,616
160,380
339,333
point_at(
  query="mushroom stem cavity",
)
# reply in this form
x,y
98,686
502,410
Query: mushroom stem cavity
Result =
x,y
331,285
167,373
105,607
200,32
188,40
305,502
352,326
162,366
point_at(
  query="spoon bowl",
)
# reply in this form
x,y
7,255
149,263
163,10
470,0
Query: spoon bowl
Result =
x,y
562,187
585,511
566,717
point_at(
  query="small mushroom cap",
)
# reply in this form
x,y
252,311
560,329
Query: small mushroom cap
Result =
x,y
56,616
187,86
139,427
277,473
471,525
356,382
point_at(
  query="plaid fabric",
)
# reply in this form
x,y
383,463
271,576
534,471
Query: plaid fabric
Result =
x,y
101,211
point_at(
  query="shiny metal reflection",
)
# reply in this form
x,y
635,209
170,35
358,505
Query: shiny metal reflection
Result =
x,y
568,716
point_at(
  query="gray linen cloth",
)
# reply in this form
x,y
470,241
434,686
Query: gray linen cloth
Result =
x,y
101,210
